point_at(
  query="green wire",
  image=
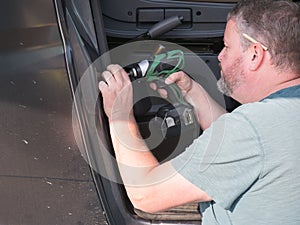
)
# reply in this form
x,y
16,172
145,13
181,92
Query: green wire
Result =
x,y
154,75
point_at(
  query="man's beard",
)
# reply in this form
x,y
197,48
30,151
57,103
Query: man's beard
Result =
x,y
224,87
233,79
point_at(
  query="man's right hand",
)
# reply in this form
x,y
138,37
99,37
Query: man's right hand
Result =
x,y
183,81
206,109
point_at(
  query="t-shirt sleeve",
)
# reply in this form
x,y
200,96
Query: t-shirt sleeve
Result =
x,y
225,161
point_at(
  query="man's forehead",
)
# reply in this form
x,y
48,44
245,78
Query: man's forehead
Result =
x,y
231,30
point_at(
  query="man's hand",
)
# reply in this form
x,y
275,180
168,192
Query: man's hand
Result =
x,y
117,93
206,109
183,81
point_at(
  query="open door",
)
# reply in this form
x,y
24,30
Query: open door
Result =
x,y
90,29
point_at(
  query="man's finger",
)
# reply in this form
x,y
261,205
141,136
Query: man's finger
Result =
x,y
114,68
107,76
173,77
163,93
118,72
102,86
153,86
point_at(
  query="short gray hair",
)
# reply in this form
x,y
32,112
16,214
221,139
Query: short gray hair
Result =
x,y
274,23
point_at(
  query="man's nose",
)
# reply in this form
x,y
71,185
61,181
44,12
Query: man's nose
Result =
x,y
220,56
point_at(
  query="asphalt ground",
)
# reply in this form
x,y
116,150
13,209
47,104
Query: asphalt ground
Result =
x,y
44,180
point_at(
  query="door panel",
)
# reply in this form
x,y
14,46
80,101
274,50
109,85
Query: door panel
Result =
x,y
92,28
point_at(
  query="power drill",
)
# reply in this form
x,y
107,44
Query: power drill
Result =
x,y
162,65
178,116
157,69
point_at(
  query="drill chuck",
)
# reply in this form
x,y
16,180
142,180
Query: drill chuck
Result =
x,y
137,70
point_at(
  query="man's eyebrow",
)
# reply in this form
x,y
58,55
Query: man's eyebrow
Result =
x,y
225,41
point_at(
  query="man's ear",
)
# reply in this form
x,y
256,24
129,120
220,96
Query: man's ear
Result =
x,y
255,57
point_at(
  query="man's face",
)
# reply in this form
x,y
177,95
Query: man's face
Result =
x,y
231,61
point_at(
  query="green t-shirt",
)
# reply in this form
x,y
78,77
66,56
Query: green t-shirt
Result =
x,y
248,161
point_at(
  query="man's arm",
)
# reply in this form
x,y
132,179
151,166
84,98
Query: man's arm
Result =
x,y
150,186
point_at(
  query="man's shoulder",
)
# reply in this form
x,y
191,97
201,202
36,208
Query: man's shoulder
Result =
x,y
273,115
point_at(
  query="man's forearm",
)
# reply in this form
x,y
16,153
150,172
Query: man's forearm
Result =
x,y
133,156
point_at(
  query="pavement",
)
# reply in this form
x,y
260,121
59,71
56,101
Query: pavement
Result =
x,y
44,180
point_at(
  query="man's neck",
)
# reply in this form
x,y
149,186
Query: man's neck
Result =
x,y
292,80
266,85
